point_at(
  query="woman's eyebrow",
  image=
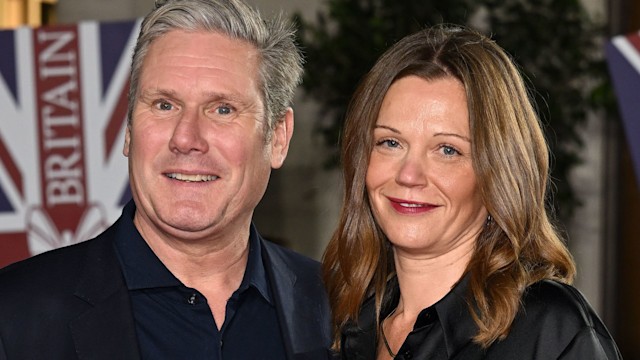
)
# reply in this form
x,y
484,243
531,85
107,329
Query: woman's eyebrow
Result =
x,y
388,128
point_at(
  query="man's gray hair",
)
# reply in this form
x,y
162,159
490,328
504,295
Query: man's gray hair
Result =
x,y
280,67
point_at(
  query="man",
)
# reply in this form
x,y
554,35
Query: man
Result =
x,y
183,274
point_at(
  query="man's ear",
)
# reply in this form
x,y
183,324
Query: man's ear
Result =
x,y
281,139
127,141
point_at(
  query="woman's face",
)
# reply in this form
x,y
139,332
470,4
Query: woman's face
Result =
x,y
420,180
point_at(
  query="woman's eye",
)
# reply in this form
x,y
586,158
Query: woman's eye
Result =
x,y
388,143
449,151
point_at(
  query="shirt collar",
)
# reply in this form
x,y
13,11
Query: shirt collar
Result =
x,y
142,269
255,274
452,314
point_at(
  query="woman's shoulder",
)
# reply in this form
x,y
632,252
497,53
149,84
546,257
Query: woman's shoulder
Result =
x,y
556,300
557,320
554,306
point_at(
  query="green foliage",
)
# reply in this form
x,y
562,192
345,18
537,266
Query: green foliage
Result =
x,y
557,47
553,41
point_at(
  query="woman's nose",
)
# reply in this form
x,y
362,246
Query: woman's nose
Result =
x,y
412,170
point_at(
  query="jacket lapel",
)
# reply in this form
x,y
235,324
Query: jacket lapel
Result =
x,y
301,305
107,329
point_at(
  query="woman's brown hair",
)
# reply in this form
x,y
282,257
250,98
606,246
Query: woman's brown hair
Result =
x,y
518,247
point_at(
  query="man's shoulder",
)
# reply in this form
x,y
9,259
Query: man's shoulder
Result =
x,y
60,266
301,298
280,254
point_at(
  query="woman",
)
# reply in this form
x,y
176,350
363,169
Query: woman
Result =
x,y
444,249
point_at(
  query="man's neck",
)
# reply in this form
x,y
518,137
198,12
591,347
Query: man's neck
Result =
x,y
215,268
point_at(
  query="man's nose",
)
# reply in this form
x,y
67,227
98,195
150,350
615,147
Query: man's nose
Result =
x,y
188,135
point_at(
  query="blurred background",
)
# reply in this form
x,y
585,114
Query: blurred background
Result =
x,y
559,44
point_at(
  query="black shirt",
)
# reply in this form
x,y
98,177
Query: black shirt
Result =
x,y
174,321
554,322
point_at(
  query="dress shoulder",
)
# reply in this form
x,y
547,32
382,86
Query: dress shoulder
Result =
x,y
556,322
557,301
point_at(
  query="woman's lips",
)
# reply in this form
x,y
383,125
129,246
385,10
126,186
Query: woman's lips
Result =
x,y
410,207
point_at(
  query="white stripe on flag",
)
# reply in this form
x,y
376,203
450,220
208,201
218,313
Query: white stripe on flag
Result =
x,y
629,51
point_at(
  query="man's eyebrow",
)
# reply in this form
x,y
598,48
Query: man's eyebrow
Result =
x,y
211,95
147,93
218,96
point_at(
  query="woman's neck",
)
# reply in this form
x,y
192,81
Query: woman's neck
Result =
x,y
424,280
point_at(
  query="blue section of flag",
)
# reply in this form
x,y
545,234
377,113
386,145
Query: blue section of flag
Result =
x,y
8,60
5,204
113,41
626,80
126,195
8,72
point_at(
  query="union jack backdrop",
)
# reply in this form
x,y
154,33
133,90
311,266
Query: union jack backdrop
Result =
x,y
63,103
623,58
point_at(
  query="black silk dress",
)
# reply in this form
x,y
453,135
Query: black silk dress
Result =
x,y
554,322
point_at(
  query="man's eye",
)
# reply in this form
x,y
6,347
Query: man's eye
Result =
x,y
163,105
223,110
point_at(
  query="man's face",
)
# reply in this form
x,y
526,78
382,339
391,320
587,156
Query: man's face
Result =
x,y
198,159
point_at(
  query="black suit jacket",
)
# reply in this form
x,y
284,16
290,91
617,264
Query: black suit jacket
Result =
x,y
73,303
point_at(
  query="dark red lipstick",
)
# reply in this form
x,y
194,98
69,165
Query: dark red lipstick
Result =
x,y
409,207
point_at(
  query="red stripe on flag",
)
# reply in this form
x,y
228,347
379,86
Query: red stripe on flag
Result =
x,y
13,247
60,124
634,39
11,167
118,117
